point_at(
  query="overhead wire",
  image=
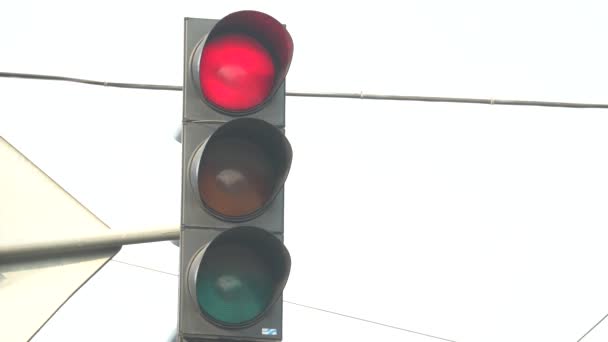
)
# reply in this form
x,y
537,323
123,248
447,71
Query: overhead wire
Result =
x,y
361,95
91,82
593,327
368,321
309,307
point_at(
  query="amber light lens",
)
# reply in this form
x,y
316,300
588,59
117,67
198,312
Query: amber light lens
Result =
x,y
236,177
242,167
237,72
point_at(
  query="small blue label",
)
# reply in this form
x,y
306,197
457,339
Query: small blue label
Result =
x,y
269,331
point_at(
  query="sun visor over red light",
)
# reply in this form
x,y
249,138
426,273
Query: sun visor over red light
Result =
x,y
244,60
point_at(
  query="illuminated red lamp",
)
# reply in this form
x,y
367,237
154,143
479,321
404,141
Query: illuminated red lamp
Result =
x,y
236,73
243,61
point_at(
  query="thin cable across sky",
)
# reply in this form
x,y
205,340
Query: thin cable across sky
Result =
x,y
361,95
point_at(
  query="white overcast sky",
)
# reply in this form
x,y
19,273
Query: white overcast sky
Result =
x,y
472,223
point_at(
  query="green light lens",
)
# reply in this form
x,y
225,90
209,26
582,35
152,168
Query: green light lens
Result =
x,y
234,283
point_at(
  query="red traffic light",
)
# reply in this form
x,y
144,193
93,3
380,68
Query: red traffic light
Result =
x,y
242,61
236,72
235,161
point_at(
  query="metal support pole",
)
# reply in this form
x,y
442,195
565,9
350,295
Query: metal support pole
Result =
x,y
111,239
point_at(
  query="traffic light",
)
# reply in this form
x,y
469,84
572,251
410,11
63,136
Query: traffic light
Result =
x,y
233,264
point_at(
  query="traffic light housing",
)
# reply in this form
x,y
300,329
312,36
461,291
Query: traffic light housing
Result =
x,y
233,264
